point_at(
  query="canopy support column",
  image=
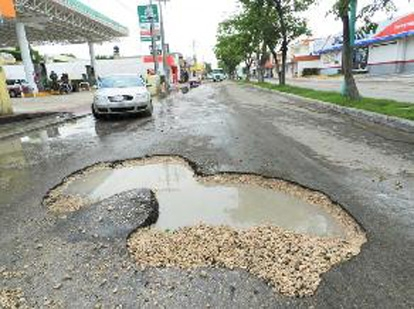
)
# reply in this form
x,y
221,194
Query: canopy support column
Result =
x,y
92,56
27,59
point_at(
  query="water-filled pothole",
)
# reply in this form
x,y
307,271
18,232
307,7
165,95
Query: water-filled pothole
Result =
x,y
281,232
186,200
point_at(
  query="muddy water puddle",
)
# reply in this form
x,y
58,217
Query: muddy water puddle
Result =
x,y
187,200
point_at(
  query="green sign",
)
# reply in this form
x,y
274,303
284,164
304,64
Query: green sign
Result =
x,y
148,13
148,38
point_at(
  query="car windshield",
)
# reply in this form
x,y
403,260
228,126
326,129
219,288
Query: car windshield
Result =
x,y
218,71
121,82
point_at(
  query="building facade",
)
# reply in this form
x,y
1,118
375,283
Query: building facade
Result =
x,y
390,50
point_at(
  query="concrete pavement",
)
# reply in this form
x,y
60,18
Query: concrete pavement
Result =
x,y
368,169
77,103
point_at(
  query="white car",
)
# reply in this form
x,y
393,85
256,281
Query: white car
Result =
x,y
121,94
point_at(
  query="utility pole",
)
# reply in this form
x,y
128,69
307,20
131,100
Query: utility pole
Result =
x,y
164,48
352,20
353,4
153,42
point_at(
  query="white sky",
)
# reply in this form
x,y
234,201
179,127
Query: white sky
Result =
x,y
193,20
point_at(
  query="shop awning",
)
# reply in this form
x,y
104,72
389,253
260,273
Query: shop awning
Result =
x,y
398,29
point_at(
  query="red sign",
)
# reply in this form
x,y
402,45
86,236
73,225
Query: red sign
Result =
x,y
399,26
150,59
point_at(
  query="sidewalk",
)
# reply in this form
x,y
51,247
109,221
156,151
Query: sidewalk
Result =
x,y
35,113
76,103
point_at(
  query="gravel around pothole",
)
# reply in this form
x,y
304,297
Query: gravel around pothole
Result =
x,y
11,299
291,263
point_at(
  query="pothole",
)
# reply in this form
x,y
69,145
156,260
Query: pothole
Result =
x,y
281,232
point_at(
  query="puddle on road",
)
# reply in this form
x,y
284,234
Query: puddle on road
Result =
x,y
187,200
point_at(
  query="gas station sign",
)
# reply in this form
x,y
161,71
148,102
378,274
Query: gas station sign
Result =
x,y
148,16
404,24
7,9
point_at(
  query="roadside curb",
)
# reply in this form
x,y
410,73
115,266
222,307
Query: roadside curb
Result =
x,y
357,114
60,119
25,116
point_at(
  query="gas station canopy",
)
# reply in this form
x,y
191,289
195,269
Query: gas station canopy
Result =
x,y
59,21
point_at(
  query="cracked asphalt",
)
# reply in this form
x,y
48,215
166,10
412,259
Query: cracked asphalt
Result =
x,y
225,127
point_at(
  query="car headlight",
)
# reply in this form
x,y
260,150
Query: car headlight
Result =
x,y
99,99
143,96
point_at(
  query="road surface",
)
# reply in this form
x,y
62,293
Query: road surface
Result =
x,y
366,168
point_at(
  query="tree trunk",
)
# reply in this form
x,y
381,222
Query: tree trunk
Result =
x,y
260,73
248,66
350,88
279,10
274,53
282,78
263,60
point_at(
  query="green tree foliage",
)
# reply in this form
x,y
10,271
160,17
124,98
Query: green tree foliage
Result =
x,y
229,48
259,22
244,36
290,26
16,53
263,27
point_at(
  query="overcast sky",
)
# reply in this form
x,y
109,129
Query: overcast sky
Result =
x,y
192,20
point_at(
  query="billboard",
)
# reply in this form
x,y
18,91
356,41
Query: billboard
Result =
x,y
7,9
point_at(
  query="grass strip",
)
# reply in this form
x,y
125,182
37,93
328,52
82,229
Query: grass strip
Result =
x,y
381,106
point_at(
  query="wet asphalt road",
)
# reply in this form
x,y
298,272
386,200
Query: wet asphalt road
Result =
x,y
224,127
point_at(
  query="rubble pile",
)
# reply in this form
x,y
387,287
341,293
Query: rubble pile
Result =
x,y
12,299
291,263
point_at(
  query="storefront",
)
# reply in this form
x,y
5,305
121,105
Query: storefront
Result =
x,y
390,50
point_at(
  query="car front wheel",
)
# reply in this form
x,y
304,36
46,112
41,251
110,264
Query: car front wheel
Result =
x,y
95,114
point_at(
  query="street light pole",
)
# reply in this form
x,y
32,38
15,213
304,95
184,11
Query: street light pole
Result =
x,y
153,42
352,20
164,49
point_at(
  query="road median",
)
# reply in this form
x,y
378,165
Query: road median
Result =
x,y
391,113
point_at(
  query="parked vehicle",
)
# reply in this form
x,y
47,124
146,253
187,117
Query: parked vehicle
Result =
x,y
15,90
121,94
17,87
218,75
195,81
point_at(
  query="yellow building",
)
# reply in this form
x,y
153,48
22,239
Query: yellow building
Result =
x,y
6,11
5,102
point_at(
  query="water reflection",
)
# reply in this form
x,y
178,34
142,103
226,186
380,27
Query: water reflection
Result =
x,y
184,201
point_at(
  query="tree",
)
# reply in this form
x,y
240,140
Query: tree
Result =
x,y
342,9
263,26
16,53
234,44
253,32
228,53
290,26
